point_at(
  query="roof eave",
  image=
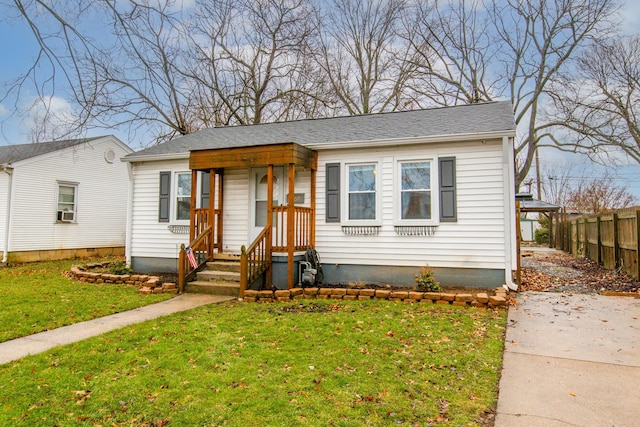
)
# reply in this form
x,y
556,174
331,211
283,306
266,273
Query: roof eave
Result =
x,y
156,157
458,137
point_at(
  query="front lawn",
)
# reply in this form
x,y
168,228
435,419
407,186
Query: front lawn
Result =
x,y
314,363
36,297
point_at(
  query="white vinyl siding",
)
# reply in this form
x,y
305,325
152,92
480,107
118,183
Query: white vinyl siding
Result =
x,y
4,200
236,206
100,219
476,240
153,239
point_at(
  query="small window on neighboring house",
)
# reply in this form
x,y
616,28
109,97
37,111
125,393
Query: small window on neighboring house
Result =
x,y
415,190
67,202
183,196
361,185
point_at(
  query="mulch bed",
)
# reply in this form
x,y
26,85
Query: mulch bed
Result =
x,y
560,272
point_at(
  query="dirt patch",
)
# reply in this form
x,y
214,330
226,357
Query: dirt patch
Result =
x,y
443,289
560,272
312,307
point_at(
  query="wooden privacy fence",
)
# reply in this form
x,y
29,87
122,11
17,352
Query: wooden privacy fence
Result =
x,y
610,239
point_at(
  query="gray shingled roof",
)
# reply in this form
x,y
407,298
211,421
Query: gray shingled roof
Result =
x,y
464,119
15,153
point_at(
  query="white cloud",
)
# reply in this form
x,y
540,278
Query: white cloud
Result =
x,y
48,118
3,110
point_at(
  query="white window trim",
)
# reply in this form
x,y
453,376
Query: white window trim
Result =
x,y
173,195
344,199
397,192
174,199
76,191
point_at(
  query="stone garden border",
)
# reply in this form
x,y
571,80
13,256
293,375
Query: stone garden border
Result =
x,y
482,299
147,284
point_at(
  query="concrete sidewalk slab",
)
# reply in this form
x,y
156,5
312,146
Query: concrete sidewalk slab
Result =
x,y
43,341
571,360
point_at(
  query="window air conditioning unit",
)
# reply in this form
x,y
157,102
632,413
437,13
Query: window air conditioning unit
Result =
x,y
65,216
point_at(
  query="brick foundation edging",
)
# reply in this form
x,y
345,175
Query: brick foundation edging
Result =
x,y
480,299
146,284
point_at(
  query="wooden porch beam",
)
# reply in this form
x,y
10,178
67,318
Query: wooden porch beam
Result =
x,y
254,156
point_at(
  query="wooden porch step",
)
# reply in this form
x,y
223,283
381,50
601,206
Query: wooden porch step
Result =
x,y
218,276
226,256
214,288
219,265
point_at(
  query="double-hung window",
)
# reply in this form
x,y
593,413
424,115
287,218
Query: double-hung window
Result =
x,y
183,196
415,190
362,188
67,202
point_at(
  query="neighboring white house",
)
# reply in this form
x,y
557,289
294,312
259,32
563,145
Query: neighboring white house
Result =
x,y
63,199
395,191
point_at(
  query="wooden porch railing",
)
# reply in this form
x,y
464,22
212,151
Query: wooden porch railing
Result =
x,y
302,228
255,260
202,246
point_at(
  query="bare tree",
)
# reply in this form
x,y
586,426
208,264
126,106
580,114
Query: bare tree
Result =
x,y
129,76
598,195
254,56
361,54
557,181
139,79
453,50
600,103
537,40
54,65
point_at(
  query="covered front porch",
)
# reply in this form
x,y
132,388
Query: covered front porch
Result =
x,y
283,227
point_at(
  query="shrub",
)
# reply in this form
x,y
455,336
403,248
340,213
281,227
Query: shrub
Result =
x,y
119,268
542,235
425,280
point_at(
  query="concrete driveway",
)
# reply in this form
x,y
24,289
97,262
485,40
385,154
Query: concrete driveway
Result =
x,y
571,360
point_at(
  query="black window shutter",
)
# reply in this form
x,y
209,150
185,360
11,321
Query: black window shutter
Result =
x,y
204,190
165,194
447,173
333,192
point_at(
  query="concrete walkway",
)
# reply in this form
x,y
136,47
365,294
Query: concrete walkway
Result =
x,y
571,360
38,343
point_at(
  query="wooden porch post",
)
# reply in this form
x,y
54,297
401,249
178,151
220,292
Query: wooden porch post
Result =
x,y
220,194
291,226
192,205
212,211
268,273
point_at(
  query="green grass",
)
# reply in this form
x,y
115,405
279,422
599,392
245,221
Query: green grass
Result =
x,y
318,363
36,297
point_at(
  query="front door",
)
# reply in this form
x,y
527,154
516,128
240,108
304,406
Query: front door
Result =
x,y
259,194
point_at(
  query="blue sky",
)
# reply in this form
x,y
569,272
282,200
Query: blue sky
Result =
x,y
18,50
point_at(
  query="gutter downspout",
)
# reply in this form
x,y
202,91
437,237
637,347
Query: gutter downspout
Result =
x,y
5,253
508,167
129,226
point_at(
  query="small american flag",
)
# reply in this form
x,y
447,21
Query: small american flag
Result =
x,y
191,257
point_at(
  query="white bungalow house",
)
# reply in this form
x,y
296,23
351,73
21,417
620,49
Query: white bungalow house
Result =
x,y
63,199
377,196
